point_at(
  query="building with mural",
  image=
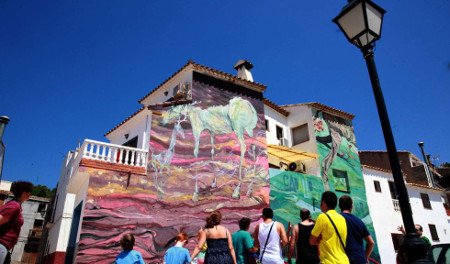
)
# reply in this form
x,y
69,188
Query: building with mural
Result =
x,y
312,149
202,140
197,144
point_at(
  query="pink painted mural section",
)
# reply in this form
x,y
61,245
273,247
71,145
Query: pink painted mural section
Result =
x,y
207,155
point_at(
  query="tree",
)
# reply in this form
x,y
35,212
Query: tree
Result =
x,y
445,165
41,191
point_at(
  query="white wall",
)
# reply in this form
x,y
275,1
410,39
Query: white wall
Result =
x,y
275,119
139,126
436,215
63,208
385,219
5,185
159,97
298,115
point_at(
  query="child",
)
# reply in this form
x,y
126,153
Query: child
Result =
x,y
178,254
128,255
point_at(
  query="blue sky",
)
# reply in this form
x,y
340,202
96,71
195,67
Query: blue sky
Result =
x,y
71,70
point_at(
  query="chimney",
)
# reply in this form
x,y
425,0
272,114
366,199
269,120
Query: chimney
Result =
x,y
243,67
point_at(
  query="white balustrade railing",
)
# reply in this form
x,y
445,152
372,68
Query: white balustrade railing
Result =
x,y
396,205
102,151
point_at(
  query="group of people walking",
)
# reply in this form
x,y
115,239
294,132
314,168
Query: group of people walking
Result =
x,y
332,238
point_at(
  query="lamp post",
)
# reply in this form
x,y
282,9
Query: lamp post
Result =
x,y
3,121
361,21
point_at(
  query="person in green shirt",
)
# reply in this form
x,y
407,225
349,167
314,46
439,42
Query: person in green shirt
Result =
x,y
419,231
243,242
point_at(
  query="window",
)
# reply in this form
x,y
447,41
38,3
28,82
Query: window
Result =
x,y
300,134
392,190
279,132
341,181
377,186
38,223
433,231
267,125
132,143
425,200
42,207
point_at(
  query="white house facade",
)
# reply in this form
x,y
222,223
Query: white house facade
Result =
x,y
426,205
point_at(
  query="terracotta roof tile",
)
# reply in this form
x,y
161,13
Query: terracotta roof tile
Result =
x,y
424,186
275,107
325,108
216,73
376,168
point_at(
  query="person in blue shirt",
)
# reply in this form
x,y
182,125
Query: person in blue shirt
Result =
x,y
128,255
178,254
356,233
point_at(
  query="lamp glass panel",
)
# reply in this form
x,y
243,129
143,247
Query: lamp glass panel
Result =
x,y
365,39
374,18
352,22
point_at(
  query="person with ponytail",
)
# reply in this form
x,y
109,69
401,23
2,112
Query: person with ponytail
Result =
x,y
220,245
178,254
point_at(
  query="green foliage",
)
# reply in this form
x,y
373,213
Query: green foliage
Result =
x,y
41,191
446,164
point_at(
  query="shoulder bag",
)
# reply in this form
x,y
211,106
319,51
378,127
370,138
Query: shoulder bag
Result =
x,y
259,261
337,232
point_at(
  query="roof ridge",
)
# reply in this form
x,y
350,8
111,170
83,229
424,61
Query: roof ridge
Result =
x,y
325,107
276,107
198,66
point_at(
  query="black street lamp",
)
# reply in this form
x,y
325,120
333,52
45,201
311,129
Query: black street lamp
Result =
x,y
3,121
361,21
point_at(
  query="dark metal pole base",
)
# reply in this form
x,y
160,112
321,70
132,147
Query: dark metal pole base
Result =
x,y
413,250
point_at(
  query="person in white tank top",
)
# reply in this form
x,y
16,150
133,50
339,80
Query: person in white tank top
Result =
x,y
271,254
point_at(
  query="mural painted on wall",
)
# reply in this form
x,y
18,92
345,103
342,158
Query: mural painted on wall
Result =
x,y
214,146
207,155
340,171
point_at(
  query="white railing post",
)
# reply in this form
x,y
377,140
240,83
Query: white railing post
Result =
x,y
114,157
127,152
132,157
91,150
103,152
97,151
121,156
108,157
143,159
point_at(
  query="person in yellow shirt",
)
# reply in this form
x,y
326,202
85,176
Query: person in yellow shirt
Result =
x,y
330,232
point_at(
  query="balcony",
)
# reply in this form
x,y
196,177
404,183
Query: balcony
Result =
x,y
101,155
396,205
100,151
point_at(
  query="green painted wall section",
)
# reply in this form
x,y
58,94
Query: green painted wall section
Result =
x,y
340,171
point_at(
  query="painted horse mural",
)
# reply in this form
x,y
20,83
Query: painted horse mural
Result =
x,y
238,116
